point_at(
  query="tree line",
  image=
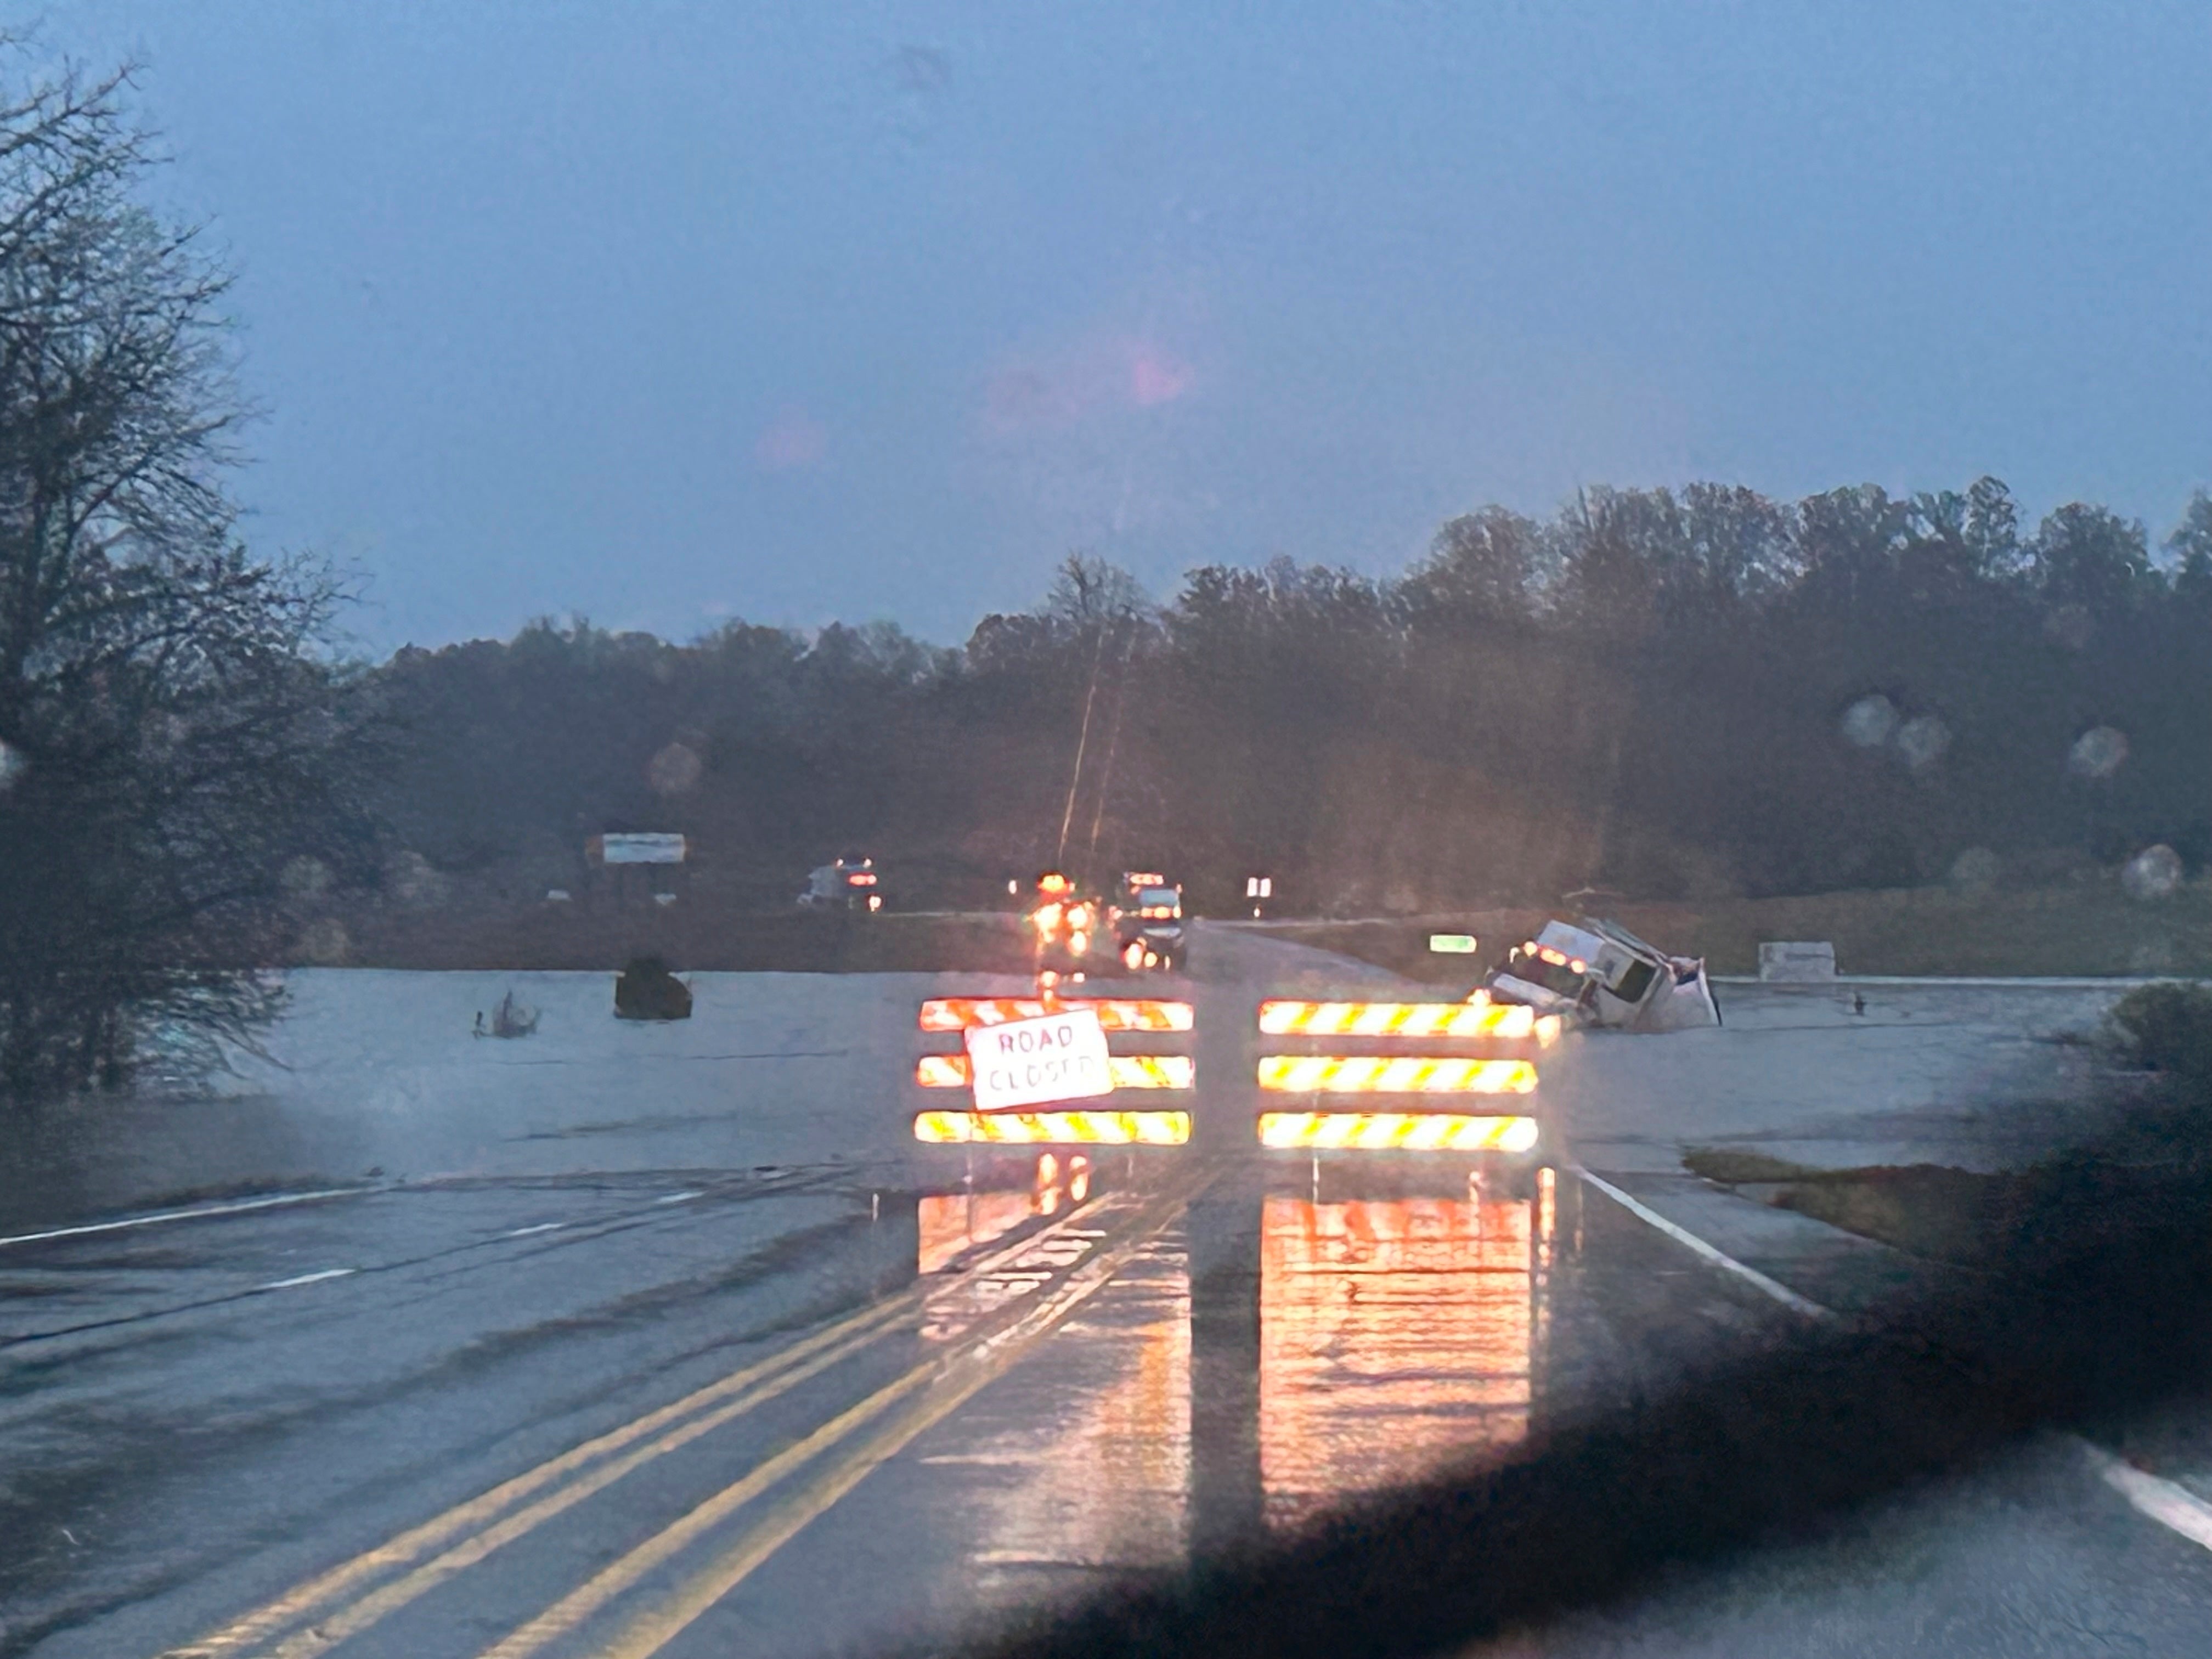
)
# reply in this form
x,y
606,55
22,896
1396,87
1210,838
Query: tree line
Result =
x,y
1664,693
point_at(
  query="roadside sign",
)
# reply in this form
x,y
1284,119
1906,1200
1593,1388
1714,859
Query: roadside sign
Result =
x,y
1452,945
1796,961
1034,1062
637,848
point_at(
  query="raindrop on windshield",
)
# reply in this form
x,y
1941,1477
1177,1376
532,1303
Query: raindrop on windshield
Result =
x,y
1870,721
674,769
1923,740
2153,873
2098,753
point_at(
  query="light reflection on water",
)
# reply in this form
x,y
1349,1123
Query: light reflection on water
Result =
x,y
1081,1463
953,1224
1396,1336
1378,1339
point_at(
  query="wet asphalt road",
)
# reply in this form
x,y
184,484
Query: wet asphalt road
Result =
x,y
883,1403
202,1415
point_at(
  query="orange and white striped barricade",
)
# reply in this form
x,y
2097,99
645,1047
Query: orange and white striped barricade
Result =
x,y
1143,1108
1469,1086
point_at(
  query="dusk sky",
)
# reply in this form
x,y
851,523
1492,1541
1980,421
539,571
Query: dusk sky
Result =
x,y
669,313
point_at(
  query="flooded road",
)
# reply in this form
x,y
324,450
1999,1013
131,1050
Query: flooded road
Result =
x,y
621,1374
516,1418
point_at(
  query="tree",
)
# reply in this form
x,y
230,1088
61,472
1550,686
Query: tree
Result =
x,y
2191,544
172,733
1484,570
2091,557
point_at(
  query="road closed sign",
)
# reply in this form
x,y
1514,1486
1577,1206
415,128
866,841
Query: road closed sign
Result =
x,y
1034,1062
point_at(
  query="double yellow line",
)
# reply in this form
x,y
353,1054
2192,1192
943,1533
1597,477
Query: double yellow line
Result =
x,y
356,1595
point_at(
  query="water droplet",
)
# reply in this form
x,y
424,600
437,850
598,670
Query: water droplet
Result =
x,y
1870,721
2153,873
674,769
2098,753
1923,740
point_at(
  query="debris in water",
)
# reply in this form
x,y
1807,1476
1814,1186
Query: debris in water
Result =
x,y
512,1018
647,990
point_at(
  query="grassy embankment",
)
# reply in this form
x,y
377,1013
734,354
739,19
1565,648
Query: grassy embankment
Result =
x,y
2084,928
690,939
2161,1033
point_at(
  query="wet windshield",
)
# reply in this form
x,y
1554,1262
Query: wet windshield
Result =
x,y
774,781
1556,977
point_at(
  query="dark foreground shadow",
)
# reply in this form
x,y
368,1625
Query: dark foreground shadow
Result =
x,y
2103,1310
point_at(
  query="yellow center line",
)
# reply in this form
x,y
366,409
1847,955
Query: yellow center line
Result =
x,y
358,1616
964,1372
656,1627
406,1548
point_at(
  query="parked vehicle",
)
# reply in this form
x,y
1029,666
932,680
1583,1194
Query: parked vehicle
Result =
x,y
852,882
1148,929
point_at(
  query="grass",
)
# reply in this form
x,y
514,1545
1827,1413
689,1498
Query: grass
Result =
x,y
2088,929
689,937
1926,1210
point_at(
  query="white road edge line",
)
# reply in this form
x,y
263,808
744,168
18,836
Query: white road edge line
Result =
x,y
1782,1293
678,1198
206,1210
307,1279
2172,1507
542,1227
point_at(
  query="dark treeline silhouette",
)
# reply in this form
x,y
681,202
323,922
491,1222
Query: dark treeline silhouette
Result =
x,y
172,732
1671,694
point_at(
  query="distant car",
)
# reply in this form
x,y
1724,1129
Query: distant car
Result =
x,y
1148,932
851,883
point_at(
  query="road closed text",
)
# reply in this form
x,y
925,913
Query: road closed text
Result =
x,y
1033,1062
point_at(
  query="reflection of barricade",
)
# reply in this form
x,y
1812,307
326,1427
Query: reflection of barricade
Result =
x,y
1143,1018
949,1226
1495,1044
1399,1338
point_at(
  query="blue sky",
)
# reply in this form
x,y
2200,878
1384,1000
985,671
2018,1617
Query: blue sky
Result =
x,y
668,314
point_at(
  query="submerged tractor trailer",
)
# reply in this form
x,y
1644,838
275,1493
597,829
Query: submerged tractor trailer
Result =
x,y
1597,974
